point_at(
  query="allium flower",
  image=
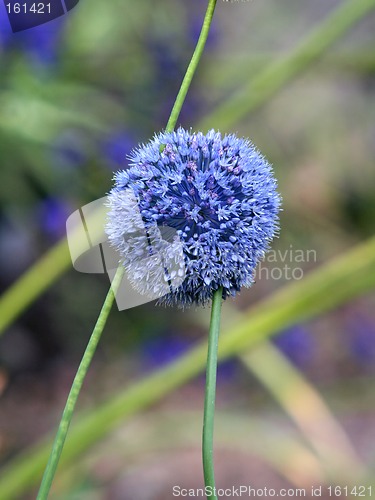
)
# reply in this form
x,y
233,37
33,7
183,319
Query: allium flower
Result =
x,y
219,195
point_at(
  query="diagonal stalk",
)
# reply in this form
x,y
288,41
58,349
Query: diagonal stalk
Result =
x,y
67,415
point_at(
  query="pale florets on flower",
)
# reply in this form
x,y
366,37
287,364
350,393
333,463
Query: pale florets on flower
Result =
x,y
217,193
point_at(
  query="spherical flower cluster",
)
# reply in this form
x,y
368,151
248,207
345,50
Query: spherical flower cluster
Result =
x,y
217,193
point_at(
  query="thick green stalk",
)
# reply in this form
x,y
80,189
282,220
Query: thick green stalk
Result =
x,y
209,401
197,54
67,415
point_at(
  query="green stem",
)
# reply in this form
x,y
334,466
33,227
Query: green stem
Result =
x,y
76,388
192,67
209,402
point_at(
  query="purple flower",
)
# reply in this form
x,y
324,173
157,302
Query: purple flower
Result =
x,y
53,213
361,338
70,149
164,349
297,344
116,146
217,192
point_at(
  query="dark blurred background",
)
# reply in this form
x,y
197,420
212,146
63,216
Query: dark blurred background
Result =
x,y
76,95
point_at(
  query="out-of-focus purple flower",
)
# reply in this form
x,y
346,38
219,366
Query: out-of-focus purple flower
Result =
x,y
217,192
168,65
116,147
227,370
167,347
69,150
361,338
16,247
164,349
297,344
52,214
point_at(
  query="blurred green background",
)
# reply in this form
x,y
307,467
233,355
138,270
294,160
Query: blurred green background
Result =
x,y
76,95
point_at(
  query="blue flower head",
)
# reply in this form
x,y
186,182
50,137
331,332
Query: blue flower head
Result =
x,y
217,193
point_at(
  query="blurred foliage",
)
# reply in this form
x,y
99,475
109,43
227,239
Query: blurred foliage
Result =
x,y
332,285
78,93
